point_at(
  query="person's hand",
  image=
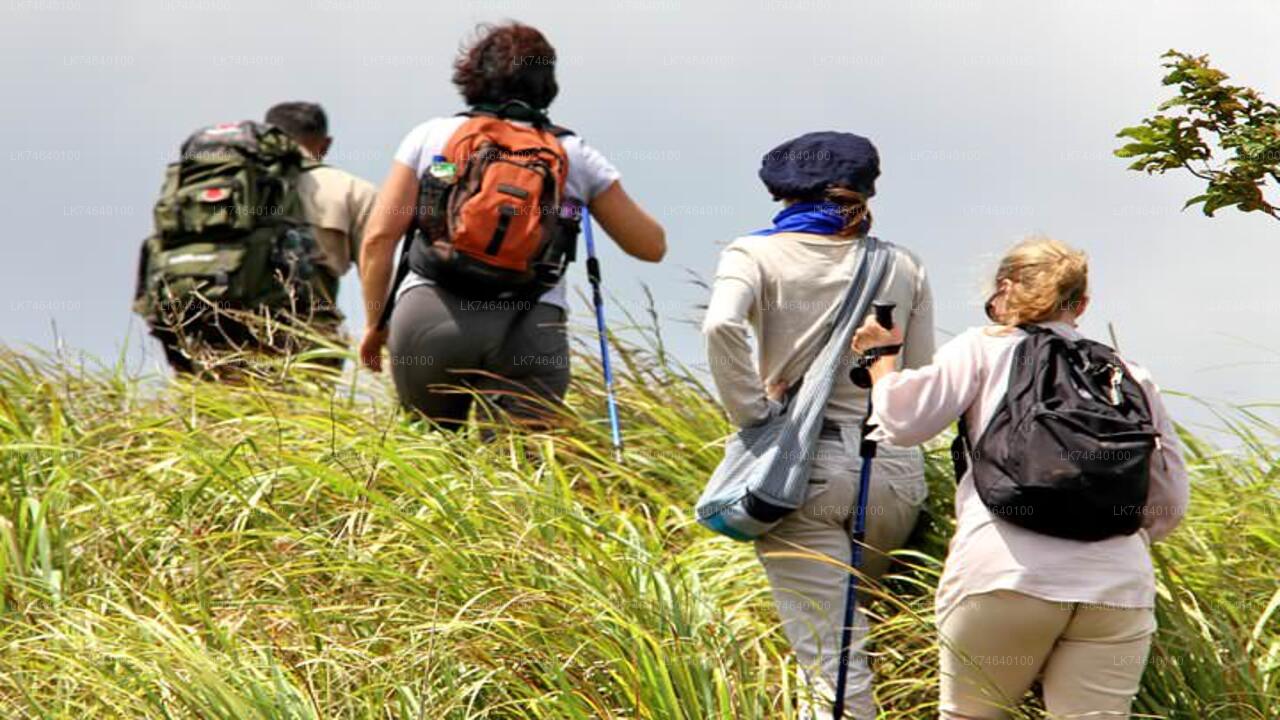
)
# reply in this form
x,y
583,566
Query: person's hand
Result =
x,y
371,348
776,390
873,335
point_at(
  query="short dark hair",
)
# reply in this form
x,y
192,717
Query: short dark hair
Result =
x,y
510,61
300,119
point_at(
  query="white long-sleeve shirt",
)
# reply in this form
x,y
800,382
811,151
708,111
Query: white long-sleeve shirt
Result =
x,y
969,375
785,289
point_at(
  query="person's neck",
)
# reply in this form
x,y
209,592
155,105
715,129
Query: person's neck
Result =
x,y
1065,317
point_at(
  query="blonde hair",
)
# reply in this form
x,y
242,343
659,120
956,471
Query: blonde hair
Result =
x,y
1046,277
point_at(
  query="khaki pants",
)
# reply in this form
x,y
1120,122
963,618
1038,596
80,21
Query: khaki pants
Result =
x,y
805,557
1090,658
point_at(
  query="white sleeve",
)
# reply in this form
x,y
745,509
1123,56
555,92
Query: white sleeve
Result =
x,y
412,147
1170,491
727,332
911,406
918,346
590,172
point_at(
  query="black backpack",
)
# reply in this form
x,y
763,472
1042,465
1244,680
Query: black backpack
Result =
x,y
1068,451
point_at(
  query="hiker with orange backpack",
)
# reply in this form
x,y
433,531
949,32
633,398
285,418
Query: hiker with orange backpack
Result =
x,y
488,202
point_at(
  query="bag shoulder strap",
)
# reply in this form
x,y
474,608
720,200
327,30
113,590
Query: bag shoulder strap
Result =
x,y
872,248
864,284
960,448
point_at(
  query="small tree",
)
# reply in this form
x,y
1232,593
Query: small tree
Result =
x,y
1244,127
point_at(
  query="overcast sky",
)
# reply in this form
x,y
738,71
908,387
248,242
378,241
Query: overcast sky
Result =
x,y
993,120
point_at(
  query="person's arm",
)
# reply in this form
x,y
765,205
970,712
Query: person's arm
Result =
x,y
390,218
634,230
1170,491
918,346
726,328
363,196
912,406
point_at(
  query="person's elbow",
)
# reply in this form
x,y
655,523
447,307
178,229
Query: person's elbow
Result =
x,y
753,414
718,327
1162,522
637,232
902,434
649,243
657,244
1164,515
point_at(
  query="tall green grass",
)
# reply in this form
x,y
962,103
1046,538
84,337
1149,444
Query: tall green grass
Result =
x,y
297,548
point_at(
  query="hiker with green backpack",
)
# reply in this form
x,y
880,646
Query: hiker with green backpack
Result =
x,y
335,204
488,205
1068,468
251,230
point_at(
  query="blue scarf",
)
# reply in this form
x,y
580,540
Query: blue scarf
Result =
x,y
818,218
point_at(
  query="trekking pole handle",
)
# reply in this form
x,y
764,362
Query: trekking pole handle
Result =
x,y
884,313
858,374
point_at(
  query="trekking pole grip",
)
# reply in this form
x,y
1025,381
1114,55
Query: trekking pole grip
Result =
x,y
859,375
884,313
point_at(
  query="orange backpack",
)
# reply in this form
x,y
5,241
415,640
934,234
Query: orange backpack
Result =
x,y
497,229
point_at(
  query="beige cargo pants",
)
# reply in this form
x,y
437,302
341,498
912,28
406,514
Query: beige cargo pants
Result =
x,y
1089,658
806,556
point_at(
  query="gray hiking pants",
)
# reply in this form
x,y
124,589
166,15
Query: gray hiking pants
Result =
x,y
805,557
446,349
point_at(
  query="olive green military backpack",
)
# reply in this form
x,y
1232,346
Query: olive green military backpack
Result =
x,y
229,232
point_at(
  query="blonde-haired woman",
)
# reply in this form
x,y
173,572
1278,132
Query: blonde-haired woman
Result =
x,y
1012,603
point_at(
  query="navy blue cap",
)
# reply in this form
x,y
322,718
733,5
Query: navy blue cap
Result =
x,y
805,166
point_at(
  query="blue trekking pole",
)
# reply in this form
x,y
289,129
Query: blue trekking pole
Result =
x,y
867,450
593,274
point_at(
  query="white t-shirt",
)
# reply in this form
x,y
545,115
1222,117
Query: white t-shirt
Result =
x,y
590,174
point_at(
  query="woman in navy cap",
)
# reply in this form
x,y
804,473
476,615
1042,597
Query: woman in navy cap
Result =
x,y
781,285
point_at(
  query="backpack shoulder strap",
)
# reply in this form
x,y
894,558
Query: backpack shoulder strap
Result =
x,y
512,110
539,120
960,448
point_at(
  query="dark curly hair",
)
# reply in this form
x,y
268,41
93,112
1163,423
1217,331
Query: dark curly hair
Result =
x,y
510,61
